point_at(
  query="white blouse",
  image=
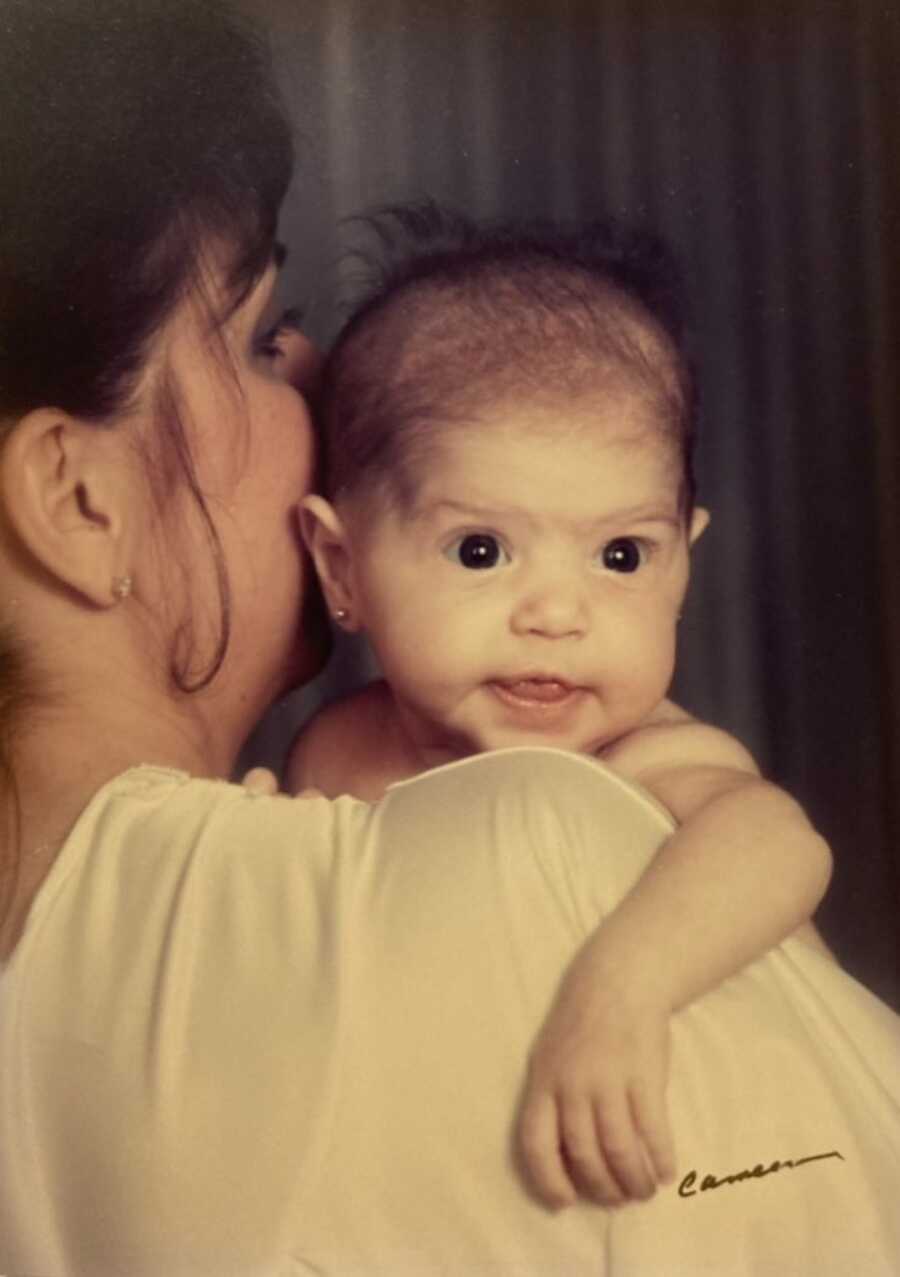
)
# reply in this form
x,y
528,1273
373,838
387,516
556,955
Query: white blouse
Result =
x,y
245,1036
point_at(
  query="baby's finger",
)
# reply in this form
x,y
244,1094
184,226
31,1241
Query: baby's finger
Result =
x,y
622,1149
540,1150
259,780
651,1120
583,1152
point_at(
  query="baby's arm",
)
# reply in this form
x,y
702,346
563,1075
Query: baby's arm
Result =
x,y
741,841
349,747
741,872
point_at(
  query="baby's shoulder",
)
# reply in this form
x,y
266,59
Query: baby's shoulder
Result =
x,y
667,714
669,737
339,740
364,709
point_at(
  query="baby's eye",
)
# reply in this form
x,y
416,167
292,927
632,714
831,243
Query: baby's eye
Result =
x,y
624,554
477,550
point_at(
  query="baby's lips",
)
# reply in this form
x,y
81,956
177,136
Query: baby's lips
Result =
x,y
546,691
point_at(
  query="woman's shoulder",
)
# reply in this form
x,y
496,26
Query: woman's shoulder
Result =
x,y
217,824
554,809
156,846
223,895
543,778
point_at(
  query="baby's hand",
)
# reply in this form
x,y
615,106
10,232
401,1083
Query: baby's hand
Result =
x,y
593,1120
259,780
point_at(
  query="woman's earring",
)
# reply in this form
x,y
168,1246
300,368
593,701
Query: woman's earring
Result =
x,y
121,587
341,614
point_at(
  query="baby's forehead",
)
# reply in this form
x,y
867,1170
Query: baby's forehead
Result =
x,y
623,416
516,454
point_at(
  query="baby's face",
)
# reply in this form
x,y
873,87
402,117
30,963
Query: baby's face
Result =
x,y
532,594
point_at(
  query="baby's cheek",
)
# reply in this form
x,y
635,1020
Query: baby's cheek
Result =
x,y
417,659
646,659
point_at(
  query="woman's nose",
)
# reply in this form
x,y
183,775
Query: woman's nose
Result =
x,y
552,609
301,361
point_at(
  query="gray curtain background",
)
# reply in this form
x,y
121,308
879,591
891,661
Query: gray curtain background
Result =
x,y
762,143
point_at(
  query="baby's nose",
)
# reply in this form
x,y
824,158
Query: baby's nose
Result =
x,y
552,608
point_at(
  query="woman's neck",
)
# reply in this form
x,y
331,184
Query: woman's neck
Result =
x,y
60,759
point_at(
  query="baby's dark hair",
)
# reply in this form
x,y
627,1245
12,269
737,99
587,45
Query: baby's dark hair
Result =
x,y
457,317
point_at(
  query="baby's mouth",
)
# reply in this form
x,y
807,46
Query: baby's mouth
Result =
x,y
534,691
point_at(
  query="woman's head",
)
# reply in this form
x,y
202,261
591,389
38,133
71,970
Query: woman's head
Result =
x,y
144,156
146,531
130,136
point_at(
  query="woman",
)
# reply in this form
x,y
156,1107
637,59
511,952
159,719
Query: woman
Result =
x,y
249,1035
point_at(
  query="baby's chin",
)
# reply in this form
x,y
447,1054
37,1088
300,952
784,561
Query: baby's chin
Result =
x,y
504,716
510,738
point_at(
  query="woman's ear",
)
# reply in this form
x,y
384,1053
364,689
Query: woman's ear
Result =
x,y
68,502
329,544
699,524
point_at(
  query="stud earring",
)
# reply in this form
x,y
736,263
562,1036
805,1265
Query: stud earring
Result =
x,y
121,587
341,614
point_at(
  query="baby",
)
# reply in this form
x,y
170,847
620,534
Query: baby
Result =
x,y
508,428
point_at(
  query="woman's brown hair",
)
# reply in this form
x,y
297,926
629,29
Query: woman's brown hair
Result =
x,y
133,134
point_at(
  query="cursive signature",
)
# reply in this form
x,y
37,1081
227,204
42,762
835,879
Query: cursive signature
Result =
x,y
686,1187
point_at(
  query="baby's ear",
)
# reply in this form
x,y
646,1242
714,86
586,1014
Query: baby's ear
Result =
x,y
327,541
699,524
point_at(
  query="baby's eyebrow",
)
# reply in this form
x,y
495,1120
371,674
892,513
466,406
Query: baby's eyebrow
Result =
x,y
641,514
645,513
473,511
